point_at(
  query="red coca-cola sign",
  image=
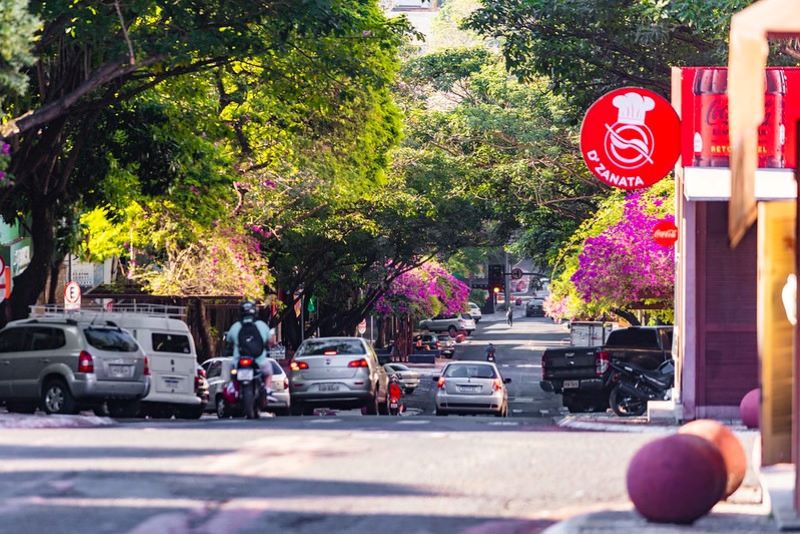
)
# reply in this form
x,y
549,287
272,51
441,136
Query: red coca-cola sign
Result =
x,y
630,138
665,233
704,115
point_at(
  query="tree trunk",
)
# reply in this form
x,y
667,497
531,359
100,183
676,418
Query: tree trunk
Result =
x,y
30,284
52,286
628,316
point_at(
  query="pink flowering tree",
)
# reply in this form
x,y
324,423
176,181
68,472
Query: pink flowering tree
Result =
x,y
623,265
424,291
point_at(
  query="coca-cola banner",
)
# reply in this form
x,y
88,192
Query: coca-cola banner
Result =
x,y
704,117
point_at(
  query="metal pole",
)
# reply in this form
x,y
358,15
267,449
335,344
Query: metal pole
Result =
x,y
371,325
302,318
507,281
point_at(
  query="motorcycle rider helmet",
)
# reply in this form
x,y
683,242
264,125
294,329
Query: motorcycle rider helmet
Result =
x,y
394,378
248,309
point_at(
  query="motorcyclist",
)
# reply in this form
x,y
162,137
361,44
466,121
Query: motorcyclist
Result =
x,y
396,390
490,352
248,312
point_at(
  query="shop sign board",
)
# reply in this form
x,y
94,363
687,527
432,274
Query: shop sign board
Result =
x,y
665,233
630,138
705,125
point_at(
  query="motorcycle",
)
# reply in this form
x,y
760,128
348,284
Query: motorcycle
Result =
x,y
245,392
633,387
396,404
490,356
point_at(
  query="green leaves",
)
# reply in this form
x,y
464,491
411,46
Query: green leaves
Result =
x,y
17,28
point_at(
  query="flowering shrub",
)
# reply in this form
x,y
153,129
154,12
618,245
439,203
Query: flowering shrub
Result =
x,y
5,156
623,264
425,291
555,307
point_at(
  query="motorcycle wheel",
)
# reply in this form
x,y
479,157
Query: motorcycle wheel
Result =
x,y
626,405
249,401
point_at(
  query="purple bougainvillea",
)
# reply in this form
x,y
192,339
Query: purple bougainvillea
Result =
x,y
423,291
624,264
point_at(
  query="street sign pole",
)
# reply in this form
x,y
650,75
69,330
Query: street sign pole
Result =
x,y
507,282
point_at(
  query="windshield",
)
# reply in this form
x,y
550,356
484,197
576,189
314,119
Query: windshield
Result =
x,y
110,340
329,347
470,371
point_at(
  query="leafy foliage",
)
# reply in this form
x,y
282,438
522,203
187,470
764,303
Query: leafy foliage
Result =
x,y
425,291
17,27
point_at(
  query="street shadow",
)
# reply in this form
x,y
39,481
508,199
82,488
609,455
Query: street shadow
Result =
x,y
8,452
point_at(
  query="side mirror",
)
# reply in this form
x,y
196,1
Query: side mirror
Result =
x,y
506,381
435,378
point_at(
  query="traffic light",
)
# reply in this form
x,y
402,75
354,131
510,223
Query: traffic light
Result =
x,y
495,281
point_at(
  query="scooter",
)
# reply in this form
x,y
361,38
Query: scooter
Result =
x,y
490,356
633,387
245,392
396,404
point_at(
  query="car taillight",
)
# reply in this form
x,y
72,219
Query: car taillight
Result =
x,y
146,366
601,363
497,384
298,366
358,363
245,361
85,363
201,372
440,383
285,383
198,381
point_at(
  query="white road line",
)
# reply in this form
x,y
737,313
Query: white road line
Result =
x,y
503,423
326,420
414,422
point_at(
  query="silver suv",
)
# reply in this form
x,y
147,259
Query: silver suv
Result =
x,y
450,323
63,366
337,372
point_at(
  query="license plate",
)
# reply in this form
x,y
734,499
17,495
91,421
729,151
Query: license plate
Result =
x,y
329,387
469,389
393,405
244,374
121,371
572,384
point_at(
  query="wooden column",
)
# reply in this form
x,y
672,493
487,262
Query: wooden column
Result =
x,y
776,258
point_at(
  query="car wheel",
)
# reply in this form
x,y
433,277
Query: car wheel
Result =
x,y
297,408
383,407
281,412
57,398
469,332
21,407
101,410
191,412
452,331
626,405
223,412
124,409
308,410
410,391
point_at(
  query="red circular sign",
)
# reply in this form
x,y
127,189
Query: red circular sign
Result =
x,y
630,138
665,233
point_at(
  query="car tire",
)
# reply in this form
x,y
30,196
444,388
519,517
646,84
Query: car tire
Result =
x,y
124,409
222,408
57,398
308,410
281,412
469,332
21,407
191,412
617,400
410,391
101,410
452,330
297,408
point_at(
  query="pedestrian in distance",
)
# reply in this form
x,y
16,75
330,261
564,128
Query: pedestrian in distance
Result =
x,y
510,315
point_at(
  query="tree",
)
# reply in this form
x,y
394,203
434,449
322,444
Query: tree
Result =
x,y
17,28
95,60
589,48
425,291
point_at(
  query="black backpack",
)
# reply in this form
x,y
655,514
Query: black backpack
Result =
x,y
250,341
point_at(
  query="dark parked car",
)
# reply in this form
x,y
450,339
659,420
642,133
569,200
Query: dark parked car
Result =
x,y
534,308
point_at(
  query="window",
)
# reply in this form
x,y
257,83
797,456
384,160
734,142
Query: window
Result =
x,y
214,369
645,338
329,347
12,340
110,340
470,371
276,369
171,343
43,338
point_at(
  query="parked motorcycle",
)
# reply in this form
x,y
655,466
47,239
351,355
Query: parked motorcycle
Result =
x,y
633,386
396,403
245,392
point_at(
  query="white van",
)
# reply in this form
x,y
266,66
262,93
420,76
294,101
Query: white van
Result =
x,y
166,340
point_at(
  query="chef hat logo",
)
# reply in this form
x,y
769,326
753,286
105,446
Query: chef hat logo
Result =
x,y
632,107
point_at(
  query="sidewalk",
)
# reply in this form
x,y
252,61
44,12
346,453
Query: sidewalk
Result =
x,y
40,420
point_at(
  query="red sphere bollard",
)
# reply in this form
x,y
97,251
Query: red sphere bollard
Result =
x,y
728,445
750,408
676,479
460,338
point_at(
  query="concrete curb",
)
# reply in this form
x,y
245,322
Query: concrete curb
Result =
x,y
10,421
570,421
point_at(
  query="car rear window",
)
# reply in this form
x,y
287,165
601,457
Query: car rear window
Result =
x,y
110,340
327,347
276,369
470,371
171,343
633,337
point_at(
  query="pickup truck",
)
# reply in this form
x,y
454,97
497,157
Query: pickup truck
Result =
x,y
578,373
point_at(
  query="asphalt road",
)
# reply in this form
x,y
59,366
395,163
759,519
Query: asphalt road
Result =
x,y
322,474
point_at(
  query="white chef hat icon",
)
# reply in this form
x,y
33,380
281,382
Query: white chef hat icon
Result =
x,y
632,107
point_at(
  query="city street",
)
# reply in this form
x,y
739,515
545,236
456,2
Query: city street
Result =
x,y
342,473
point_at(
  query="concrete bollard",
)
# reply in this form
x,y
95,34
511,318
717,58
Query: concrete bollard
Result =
x,y
728,445
676,479
750,408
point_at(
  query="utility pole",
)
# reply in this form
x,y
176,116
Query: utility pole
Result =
x,y
507,281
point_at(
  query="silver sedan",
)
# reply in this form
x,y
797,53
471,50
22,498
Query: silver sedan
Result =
x,y
408,377
470,387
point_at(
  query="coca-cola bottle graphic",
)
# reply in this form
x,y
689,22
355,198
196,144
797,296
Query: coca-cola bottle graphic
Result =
x,y
711,142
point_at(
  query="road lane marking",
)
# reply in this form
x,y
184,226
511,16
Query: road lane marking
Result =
x,y
326,420
503,423
414,422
